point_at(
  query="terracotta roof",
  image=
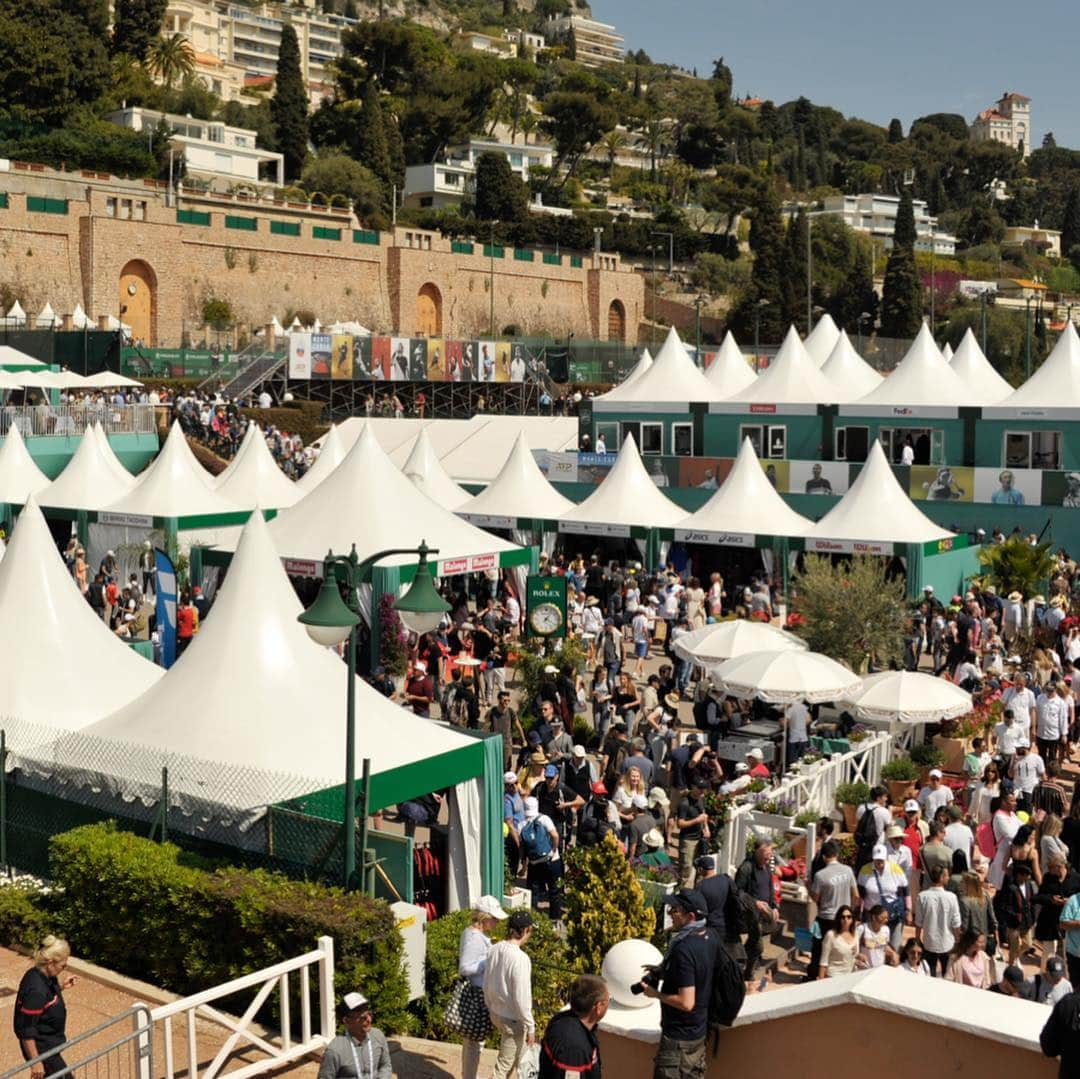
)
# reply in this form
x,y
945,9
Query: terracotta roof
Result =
x,y
258,80
1023,282
209,59
1014,97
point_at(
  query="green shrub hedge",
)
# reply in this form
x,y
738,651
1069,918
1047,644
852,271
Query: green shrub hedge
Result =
x,y
154,912
23,920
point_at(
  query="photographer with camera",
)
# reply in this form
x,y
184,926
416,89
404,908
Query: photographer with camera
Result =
x,y
683,985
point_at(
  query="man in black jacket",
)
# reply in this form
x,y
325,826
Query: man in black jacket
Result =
x,y
1061,1035
569,1046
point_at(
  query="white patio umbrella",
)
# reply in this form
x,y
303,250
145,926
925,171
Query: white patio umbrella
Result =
x,y
783,677
910,697
725,640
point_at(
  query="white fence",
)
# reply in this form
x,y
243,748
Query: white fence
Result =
x,y
69,421
814,789
264,982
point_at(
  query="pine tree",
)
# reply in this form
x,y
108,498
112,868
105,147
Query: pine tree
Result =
x,y
904,233
896,131
135,24
289,105
794,276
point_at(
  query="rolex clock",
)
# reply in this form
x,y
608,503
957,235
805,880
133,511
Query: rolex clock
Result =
x,y
545,610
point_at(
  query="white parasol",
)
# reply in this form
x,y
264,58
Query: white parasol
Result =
x,y
783,677
908,696
725,640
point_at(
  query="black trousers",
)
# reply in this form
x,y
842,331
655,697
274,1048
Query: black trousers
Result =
x,y
825,924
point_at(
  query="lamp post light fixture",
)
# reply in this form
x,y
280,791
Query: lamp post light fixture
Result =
x,y
330,620
699,301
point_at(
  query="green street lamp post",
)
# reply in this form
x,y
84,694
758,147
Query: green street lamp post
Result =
x,y
1027,339
330,620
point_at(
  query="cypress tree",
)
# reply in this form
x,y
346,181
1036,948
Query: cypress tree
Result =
x,y
896,131
767,244
500,195
902,296
289,105
794,277
372,150
904,233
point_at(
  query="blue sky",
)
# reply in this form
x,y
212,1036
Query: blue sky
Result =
x,y
873,60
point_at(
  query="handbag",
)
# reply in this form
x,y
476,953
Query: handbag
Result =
x,y
893,904
529,1064
467,1013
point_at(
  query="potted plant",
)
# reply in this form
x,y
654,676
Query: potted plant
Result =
x,y
858,733
849,796
927,756
768,811
949,746
898,775
810,762
810,815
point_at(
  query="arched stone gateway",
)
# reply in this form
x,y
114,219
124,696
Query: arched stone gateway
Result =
x,y
137,306
429,311
616,321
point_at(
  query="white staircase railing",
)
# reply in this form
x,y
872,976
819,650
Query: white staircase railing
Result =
x,y
243,1033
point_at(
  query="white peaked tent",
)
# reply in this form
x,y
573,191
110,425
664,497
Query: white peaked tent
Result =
x,y
984,385
11,357
79,319
46,318
746,504
331,453
875,511
366,501
19,476
791,378
427,474
673,376
921,378
852,377
626,497
1056,384
519,490
88,479
253,477
276,325
729,372
821,340
947,352
62,666
108,380
173,485
50,380
123,476
252,658
16,316
639,368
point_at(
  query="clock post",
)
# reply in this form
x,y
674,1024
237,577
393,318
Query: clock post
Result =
x,y
545,606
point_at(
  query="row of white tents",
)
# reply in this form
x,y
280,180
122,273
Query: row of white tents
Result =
x,y
48,319
826,369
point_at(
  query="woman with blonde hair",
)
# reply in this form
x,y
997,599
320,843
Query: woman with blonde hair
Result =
x,y
631,785
467,1012
1050,843
40,1013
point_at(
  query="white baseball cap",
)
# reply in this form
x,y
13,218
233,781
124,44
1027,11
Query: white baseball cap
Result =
x,y
532,808
578,751
756,753
353,1001
489,905
935,773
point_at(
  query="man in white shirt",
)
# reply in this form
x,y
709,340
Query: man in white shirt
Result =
x,y
907,453
1022,701
1027,772
937,920
796,718
1007,737
1051,723
958,836
1052,984
934,795
508,993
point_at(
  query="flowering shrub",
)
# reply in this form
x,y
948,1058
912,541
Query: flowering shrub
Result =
x,y
859,733
393,638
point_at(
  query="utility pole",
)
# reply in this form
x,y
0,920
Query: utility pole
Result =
x,y
491,261
982,303
932,297
1027,339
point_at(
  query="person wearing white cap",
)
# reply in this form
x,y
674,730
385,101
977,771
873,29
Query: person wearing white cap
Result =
x,y
468,999
882,882
934,795
419,689
361,1052
540,845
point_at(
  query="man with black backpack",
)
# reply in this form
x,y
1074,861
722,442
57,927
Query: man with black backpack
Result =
x,y
872,820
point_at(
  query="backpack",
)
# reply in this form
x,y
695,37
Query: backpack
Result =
x,y
866,829
536,841
727,994
459,711
611,648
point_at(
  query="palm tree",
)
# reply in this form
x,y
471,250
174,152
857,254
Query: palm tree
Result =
x,y
171,58
528,124
1017,565
654,139
612,143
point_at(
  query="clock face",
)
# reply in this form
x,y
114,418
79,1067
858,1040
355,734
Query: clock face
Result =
x,y
545,619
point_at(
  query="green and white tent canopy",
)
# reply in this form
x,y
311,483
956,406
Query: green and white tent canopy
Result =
x,y
427,474
253,477
20,477
89,478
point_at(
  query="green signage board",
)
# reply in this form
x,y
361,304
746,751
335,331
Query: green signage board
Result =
x,y
545,606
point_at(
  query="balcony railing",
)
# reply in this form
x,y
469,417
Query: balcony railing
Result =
x,y
69,421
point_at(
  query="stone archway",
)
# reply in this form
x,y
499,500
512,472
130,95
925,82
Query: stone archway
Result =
x,y
137,306
616,321
429,311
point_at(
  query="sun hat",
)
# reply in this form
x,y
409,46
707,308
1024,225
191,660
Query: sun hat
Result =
x,y
658,796
639,801
538,758
756,753
652,839
894,831
532,809
672,700
489,905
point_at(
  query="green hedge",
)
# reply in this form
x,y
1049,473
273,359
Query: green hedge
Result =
x,y
553,971
297,417
23,919
151,911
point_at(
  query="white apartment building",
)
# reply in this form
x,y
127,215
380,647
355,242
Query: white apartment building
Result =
x,y
1009,121
447,182
230,38
875,215
595,42
210,150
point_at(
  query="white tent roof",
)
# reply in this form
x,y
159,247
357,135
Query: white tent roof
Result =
x,y
16,313
852,377
50,380
747,504
729,372
108,379
1056,384
113,323
19,476
173,485
278,328
639,368
331,454
791,378
79,319
626,496
725,640
62,666
947,352
367,501
672,377
921,378
821,340
253,477
46,317
88,479
876,509
110,458
984,385
427,474
12,356
479,457
910,696
252,658
519,490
